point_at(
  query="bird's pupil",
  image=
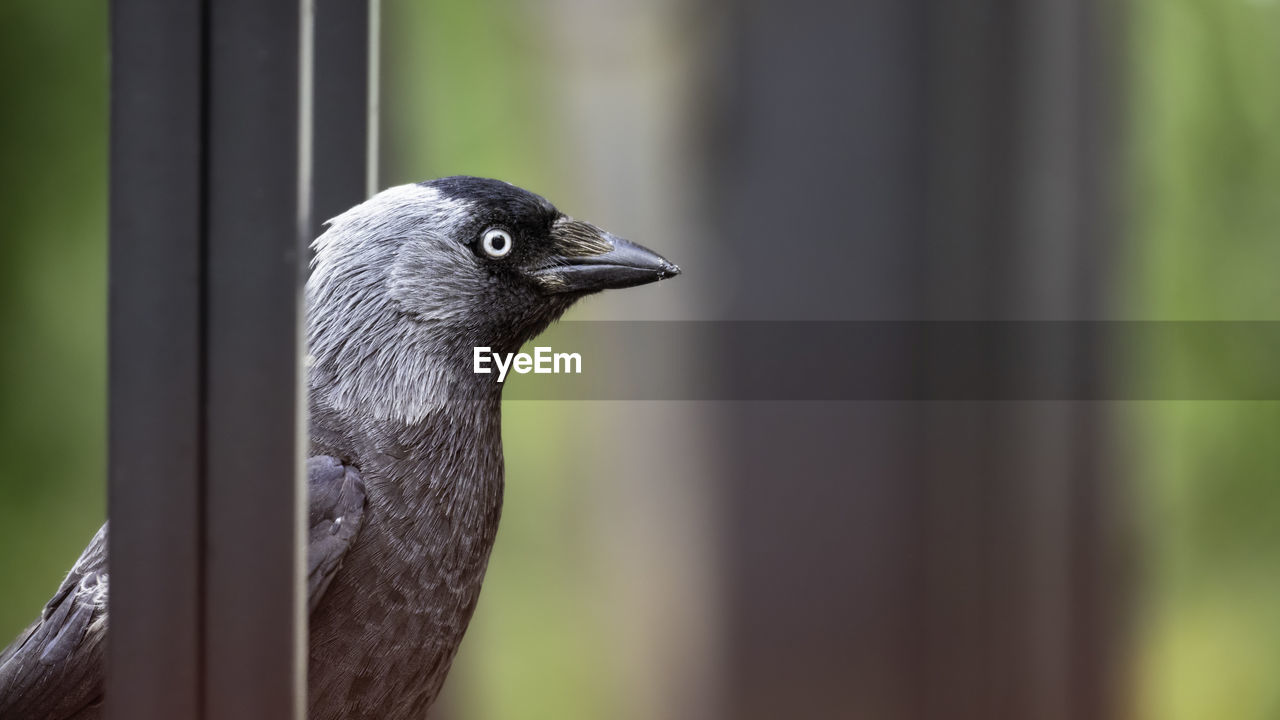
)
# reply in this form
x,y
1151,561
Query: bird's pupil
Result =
x,y
499,243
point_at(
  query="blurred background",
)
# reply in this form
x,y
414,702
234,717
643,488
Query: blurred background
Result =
x,y
873,160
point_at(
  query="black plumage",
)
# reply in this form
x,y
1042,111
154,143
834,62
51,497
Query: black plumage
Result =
x,y
405,469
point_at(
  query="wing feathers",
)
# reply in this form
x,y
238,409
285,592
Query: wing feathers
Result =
x,y
54,669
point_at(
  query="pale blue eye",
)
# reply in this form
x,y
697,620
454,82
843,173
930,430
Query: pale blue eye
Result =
x,y
496,242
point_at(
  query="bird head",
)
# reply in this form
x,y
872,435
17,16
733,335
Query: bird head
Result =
x,y
404,285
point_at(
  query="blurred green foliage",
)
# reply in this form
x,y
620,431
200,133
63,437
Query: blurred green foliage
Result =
x,y
53,151
1204,126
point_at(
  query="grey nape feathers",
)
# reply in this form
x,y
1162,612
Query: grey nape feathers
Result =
x,y
405,469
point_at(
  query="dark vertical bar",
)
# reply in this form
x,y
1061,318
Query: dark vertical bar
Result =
x,y
822,140
345,119
1020,228
210,116
258,115
900,560
155,359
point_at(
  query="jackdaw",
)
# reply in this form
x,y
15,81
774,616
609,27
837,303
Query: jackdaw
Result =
x,y
405,469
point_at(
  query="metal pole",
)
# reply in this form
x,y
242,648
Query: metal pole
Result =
x,y
209,184
256,223
345,125
155,358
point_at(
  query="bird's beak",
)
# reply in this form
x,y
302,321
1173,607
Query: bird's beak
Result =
x,y
588,259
